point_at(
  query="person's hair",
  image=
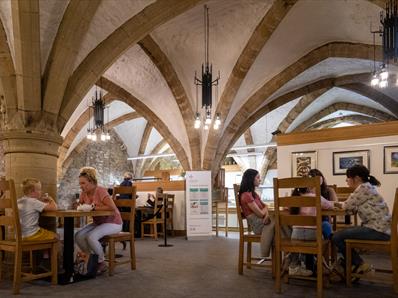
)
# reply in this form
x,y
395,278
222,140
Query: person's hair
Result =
x,y
29,185
159,189
247,183
363,173
297,192
128,175
90,173
324,186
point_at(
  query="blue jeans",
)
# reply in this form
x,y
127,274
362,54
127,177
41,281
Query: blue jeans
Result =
x,y
361,233
326,229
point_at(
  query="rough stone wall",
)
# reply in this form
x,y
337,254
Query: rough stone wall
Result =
x,y
2,161
108,158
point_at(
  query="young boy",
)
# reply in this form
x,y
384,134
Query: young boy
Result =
x,y
30,206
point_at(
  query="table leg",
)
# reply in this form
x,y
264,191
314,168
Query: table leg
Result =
x,y
68,247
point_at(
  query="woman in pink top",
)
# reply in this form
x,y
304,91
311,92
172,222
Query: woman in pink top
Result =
x,y
255,211
88,237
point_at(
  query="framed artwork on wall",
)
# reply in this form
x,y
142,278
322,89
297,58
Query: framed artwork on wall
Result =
x,y
303,162
346,159
391,159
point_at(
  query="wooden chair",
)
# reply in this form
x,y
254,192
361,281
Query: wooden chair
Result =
x,y
11,239
122,236
169,212
248,237
316,247
158,219
390,247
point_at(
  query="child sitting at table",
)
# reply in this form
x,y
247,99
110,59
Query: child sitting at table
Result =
x,y
30,205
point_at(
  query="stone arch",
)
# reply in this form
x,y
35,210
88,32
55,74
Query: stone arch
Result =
x,y
357,119
248,109
165,67
141,150
102,57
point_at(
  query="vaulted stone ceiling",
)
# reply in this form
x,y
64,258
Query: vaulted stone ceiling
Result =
x,y
282,63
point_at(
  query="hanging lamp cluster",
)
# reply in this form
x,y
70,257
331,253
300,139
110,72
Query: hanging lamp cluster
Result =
x,y
97,130
205,118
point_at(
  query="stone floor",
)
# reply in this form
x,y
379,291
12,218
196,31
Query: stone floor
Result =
x,y
206,268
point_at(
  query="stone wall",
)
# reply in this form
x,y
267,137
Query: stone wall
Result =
x,y
108,158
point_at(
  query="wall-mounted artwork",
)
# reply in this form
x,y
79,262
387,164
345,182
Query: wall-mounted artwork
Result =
x,y
344,160
391,159
303,162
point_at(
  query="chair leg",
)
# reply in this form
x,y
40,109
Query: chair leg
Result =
x,y
394,264
132,253
273,261
277,271
1,263
319,278
155,230
54,264
17,271
142,230
348,264
249,255
241,254
111,256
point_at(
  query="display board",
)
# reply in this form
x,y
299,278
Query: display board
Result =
x,y
198,204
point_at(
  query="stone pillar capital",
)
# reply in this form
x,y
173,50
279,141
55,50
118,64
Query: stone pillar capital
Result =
x,y
25,141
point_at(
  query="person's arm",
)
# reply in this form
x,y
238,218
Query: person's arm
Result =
x,y
50,204
355,199
325,204
332,194
106,204
257,211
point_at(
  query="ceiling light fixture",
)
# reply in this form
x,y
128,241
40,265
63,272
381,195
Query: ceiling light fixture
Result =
x,y
97,129
207,84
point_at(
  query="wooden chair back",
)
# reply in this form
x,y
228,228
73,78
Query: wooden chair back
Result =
x,y
10,218
343,193
239,212
126,203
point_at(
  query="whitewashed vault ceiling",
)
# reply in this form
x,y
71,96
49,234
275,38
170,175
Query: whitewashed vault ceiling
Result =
x,y
264,50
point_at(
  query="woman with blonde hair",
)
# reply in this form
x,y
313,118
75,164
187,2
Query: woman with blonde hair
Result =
x,y
88,237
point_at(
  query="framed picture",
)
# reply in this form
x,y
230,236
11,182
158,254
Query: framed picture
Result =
x,y
391,159
303,162
344,160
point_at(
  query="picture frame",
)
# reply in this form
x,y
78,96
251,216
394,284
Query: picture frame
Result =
x,y
303,162
390,159
346,159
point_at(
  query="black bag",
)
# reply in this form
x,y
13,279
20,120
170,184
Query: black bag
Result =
x,y
85,268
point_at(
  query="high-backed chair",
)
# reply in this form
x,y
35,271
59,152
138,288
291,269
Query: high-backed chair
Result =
x,y
11,240
157,219
390,247
282,217
128,215
342,194
248,237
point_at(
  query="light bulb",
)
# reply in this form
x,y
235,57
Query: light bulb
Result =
x,y
89,136
216,126
206,126
94,137
108,136
384,75
383,84
218,120
103,137
375,81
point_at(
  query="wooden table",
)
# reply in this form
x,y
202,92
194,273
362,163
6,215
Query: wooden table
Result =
x,y
69,243
333,213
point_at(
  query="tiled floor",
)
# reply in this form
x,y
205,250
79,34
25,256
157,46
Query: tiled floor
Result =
x,y
205,268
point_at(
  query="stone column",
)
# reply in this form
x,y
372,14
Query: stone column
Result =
x,y
32,154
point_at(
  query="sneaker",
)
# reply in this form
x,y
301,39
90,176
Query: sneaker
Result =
x,y
102,267
337,272
299,271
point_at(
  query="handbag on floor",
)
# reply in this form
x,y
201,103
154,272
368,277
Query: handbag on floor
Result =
x,y
85,267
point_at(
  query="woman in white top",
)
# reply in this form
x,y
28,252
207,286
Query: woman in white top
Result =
x,y
372,210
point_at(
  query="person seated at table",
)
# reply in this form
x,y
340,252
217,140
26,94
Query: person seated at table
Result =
x,y
306,233
88,238
127,181
30,205
329,194
372,210
255,211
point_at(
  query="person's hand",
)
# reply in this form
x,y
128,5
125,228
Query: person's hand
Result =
x,y
338,205
266,220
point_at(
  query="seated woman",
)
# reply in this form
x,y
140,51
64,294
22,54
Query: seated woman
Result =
x,y
88,237
255,211
329,194
372,210
306,233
